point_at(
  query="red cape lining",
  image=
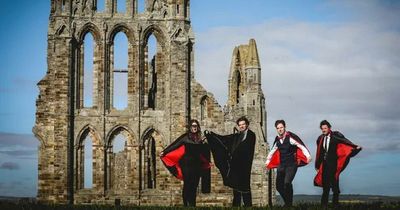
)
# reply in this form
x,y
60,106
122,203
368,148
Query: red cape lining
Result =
x,y
172,158
276,160
343,152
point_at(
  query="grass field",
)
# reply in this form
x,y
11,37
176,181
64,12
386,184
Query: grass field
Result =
x,y
299,206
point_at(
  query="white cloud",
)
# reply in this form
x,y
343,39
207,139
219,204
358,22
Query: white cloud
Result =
x,y
346,72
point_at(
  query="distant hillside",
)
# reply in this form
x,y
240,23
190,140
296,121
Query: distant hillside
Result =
x,y
18,199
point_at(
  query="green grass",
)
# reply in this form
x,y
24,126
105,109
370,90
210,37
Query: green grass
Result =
x,y
299,206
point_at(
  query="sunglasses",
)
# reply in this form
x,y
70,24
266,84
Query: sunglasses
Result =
x,y
194,125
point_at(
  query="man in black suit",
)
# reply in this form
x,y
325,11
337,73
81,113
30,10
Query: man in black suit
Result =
x,y
233,156
333,154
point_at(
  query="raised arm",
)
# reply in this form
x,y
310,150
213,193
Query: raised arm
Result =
x,y
271,152
342,139
174,145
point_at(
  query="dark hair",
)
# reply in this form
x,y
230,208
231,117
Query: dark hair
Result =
x,y
242,118
280,122
325,122
194,121
195,136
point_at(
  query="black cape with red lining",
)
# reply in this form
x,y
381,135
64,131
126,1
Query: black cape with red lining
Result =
x,y
233,157
301,159
344,151
186,155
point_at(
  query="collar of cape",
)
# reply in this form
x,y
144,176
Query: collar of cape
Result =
x,y
283,137
329,134
243,132
289,135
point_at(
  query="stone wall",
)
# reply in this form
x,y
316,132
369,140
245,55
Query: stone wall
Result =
x,y
63,122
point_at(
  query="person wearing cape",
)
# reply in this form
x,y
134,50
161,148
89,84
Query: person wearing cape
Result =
x,y
333,154
233,156
288,152
188,159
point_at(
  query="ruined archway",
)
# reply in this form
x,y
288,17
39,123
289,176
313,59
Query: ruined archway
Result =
x,y
87,137
120,161
150,148
85,81
152,69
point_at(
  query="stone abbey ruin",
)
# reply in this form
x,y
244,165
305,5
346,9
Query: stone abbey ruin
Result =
x,y
162,95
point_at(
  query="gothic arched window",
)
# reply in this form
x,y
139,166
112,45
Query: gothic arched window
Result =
x,y
150,73
117,163
119,81
149,160
86,152
204,112
87,54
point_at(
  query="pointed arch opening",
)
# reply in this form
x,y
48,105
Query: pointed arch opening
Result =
x,y
151,73
236,79
87,66
120,161
117,164
119,69
86,155
155,6
205,108
149,165
87,55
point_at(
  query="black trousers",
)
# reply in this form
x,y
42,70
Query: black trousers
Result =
x,y
238,196
329,181
190,183
284,178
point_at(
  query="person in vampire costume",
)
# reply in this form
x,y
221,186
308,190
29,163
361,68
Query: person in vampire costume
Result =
x,y
233,156
288,152
188,159
333,155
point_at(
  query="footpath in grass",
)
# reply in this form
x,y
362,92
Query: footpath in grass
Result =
x,y
299,206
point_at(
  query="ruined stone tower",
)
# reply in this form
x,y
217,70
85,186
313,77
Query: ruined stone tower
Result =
x,y
162,95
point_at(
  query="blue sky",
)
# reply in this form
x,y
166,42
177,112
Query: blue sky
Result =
x,y
335,60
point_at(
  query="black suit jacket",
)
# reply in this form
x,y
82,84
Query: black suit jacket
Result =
x,y
334,164
331,159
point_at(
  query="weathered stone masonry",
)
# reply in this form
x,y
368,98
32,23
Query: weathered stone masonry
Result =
x,y
162,96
